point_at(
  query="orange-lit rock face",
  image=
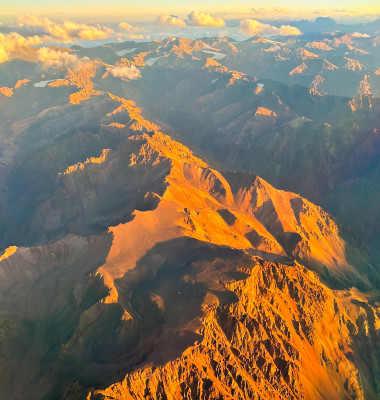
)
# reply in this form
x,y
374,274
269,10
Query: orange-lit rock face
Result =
x,y
328,65
116,125
214,65
298,70
21,82
82,75
364,88
200,203
84,94
8,252
59,82
317,86
236,76
91,160
305,54
265,111
82,78
139,59
363,99
284,337
319,46
137,122
353,65
6,91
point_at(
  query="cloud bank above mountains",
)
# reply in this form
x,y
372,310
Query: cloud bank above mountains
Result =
x,y
171,20
127,72
254,27
195,18
56,59
14,42
66,31
29,32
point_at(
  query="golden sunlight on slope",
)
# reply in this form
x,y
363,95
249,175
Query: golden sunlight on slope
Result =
x,y
319,46
299,69
236,76
59,82
84,94
353,65
305,54
6,91
284,338
21,82
116,125
81,77
132,241
213,65
267,328
8,252
265,111
137,122
90,160
199,202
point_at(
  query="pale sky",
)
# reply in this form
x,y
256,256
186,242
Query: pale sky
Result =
x,y
148,9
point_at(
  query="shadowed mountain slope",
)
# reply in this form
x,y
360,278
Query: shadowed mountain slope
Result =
x,y
137,262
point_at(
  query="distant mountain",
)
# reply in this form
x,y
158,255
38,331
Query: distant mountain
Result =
x,y
303,125
318,25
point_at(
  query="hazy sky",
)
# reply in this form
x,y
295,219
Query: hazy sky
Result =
x,y
147,9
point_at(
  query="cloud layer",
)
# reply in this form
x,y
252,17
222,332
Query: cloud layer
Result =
x,y
14,43
18,39
127,27
50,58
129,72
197,18
270,11
254,27
171,20
67,31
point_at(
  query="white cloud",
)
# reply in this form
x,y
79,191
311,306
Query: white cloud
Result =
x,y
13,42
280,10
132,36
50,58
197,18
288,30
129,72
171,20
254,27
360,35
127,27
270,11
66,31
322,11
331,11
259,10
4,56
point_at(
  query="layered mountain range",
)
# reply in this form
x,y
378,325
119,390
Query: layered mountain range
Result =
x,y
143,255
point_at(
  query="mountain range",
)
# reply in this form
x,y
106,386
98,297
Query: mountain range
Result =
x,y
194,219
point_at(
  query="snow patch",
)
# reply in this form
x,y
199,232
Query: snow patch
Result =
x,y
214,80
42,83
152,61
126,51
217,56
